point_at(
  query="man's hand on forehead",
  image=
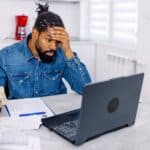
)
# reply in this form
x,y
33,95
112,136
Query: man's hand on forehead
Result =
x,y
56,28
57,32
61,35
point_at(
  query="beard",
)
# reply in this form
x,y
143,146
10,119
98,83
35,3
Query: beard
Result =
x,y
47,56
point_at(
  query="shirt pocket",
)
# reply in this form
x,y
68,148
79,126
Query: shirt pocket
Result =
x,y
20,77
52,81
55,75
20,85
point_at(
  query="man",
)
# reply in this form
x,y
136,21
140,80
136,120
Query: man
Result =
x,y
35,67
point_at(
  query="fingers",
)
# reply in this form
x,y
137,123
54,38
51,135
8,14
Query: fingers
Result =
x,y
3,98
59,28
60,38
59,34
1,104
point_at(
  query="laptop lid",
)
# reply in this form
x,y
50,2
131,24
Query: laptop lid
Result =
x,y
108,105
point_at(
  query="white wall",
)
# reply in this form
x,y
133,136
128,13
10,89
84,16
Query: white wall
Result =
x,y
142,54
70,13
144,44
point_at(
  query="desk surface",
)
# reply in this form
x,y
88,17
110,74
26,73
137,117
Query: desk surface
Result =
x,y
135,137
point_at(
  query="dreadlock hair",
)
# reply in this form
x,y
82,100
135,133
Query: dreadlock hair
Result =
x,y
46,18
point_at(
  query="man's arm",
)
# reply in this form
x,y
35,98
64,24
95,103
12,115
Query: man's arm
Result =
x,y
76,74
75,71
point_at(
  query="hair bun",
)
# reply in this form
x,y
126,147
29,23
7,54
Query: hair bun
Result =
x,y
42,8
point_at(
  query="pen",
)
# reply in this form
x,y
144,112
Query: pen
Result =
x,y
30,114
7,110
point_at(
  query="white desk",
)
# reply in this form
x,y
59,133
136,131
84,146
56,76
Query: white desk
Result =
x,y
131,138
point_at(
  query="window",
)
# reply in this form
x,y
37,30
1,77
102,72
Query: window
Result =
x,y
99,19
113,21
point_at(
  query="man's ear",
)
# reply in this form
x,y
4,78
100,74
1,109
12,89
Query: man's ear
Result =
x,y
35,34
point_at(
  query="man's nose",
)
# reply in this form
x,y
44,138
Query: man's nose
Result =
x,y
53,45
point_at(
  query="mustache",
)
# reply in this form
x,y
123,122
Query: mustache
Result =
x,y
46,58
51,50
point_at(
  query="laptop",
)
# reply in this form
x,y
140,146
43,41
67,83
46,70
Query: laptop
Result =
x,y
106,106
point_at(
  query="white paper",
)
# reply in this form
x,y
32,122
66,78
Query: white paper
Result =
x,y
28,105
17,140
20,123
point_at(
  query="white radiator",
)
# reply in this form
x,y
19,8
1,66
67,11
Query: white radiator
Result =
x,y
118,65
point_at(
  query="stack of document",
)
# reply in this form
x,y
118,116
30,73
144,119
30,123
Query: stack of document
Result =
x,y
20,123
28,107
25,114
17,140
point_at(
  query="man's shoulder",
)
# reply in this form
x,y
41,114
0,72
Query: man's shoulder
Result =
x,y
11,49
11,53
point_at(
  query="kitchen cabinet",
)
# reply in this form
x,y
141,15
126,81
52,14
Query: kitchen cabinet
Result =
x,y
64,1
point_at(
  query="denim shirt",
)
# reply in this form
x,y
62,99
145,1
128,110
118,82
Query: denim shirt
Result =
x,y
23,75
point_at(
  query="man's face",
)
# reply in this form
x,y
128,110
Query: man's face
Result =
x,y
46,47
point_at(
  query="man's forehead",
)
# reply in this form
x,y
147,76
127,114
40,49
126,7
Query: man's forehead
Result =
x,y
48,32
50,29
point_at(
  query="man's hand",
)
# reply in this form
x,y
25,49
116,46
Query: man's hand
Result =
x,y
61,35
0,105
3,99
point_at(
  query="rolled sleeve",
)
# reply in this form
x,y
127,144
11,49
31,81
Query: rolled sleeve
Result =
x,y
76,74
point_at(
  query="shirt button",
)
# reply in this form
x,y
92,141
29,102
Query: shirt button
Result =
x,y
36,92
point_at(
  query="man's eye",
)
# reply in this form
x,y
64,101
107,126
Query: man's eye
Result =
x,y
58,43
48,40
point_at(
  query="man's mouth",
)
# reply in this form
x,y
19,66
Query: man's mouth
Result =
x,y
50,53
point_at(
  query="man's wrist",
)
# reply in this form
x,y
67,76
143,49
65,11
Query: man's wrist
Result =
x,y
69,54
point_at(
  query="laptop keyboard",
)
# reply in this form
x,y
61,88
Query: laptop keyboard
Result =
x,y
68,129
65,124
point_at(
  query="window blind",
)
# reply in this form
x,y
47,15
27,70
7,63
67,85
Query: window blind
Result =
x,y
113,20
124,21
98,16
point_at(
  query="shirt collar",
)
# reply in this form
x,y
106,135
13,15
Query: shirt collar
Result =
x,y
27,52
